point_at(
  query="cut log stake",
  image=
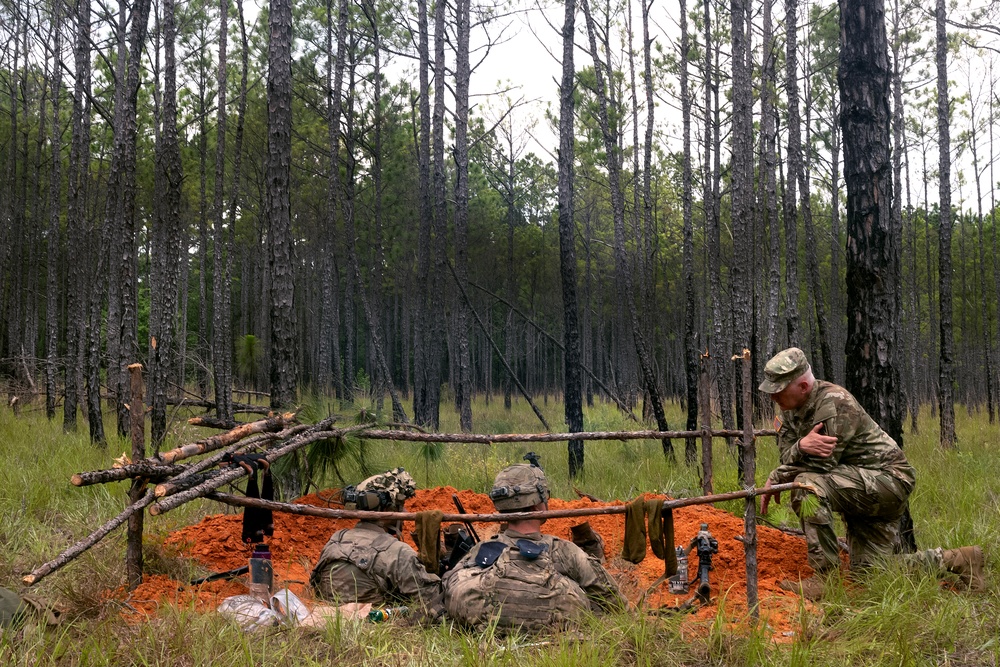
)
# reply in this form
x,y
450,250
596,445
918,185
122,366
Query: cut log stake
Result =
x,y
327,513
748,455
137,420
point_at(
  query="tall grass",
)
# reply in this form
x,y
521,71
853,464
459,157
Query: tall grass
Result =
x,y
887,616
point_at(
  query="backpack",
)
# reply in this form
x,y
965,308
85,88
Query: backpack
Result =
x,y
517,591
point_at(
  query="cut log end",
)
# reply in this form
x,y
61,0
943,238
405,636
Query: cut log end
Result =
x,y
29,579
160,490
76,480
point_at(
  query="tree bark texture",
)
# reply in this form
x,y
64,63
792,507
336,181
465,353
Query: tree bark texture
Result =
x,y
690,307
278,166
567,244
873,247
946,370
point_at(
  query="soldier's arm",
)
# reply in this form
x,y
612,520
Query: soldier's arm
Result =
x,y
788,445
413,580
595,581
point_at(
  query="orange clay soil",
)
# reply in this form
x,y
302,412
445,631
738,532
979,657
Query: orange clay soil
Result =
x,y
215,544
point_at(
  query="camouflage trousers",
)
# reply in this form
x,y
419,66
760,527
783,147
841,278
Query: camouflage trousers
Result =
x,y
870,503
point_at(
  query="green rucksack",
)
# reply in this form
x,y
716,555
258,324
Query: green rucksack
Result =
x,y
13,610
16,609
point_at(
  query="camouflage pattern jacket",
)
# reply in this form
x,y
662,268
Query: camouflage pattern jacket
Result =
x,y
366,564
860,441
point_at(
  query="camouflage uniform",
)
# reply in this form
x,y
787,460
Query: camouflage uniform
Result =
x,y
537,581
366,564
867,478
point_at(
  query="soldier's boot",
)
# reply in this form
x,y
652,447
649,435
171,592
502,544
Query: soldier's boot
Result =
x,y
810,588
591,542
967,563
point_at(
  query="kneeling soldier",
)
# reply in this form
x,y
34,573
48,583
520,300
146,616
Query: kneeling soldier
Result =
x,y
522,578
367,563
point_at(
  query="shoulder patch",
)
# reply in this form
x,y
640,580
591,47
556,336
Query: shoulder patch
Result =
x,y
489,552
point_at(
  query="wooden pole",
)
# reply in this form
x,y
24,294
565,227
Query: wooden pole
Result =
x,y
749,456
152,467
705,412
137,420
492,439
327,513
147,471
269,425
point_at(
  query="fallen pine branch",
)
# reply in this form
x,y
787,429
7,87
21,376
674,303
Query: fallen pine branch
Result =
x,y
212,422
314,434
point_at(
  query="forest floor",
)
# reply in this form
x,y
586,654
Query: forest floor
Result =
x,y
888,616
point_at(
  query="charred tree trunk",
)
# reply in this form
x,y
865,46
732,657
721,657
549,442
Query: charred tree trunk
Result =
x,y
168,216
946,391
279,157
567,243
690,312
873,247
794,157
462,75
54,237
222,345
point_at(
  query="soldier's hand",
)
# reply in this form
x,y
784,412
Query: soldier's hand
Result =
x,y
817,444
765,498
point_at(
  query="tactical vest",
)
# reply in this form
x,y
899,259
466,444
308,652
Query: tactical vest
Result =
x,y
519,592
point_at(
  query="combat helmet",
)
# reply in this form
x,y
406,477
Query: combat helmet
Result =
x,y
519,487
385,491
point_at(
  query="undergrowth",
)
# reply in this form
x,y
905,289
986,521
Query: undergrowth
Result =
x,y
887,616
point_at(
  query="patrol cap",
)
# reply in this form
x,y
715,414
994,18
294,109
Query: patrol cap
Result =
x,y
519,486
382,491
782,368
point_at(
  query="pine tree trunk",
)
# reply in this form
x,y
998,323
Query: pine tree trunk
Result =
x,y
567,242
740,280
54,248
278,165
162,323
946,395
873,247
421,322
690,308
222,345
462,75
609,135
794,159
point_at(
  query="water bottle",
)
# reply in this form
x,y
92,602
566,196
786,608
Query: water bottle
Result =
x,y
679,582
261,573
682,565
386,613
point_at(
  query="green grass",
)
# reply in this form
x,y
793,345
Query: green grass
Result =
x,y
888,616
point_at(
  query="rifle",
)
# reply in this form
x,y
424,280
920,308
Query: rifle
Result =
x,y
458,541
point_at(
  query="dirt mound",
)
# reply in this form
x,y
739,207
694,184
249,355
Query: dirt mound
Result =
x,y
297,542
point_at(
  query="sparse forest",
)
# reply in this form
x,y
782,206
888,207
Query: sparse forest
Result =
x,y
306,197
